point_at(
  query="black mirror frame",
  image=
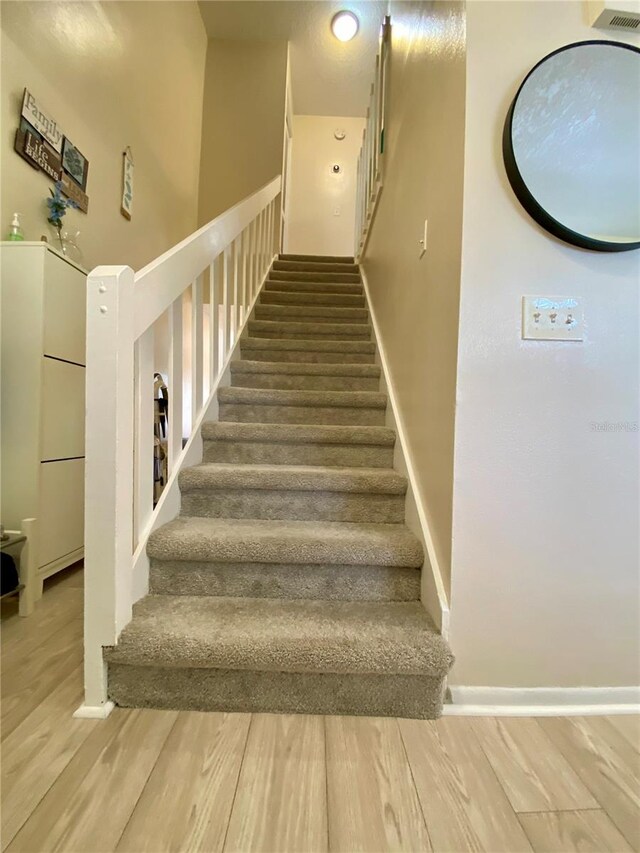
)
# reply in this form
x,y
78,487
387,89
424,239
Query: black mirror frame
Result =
x,y
522,192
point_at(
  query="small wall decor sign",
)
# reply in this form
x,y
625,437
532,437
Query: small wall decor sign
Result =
x,y
74,164
44,146
126,206
38,153
41,122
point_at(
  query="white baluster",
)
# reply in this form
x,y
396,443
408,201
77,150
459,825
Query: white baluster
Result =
x,y
227,270
176,379
214,325
143,425
196,349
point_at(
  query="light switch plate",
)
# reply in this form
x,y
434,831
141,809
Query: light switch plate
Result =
x,y
552,318
423,242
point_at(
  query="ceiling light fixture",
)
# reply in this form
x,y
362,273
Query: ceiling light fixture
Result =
x,y
344,25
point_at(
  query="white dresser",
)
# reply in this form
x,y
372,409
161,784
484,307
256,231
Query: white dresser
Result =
x,y
42,300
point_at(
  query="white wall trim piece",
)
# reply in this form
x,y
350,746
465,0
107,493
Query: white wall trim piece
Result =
x,y
434,595
94,712
541,701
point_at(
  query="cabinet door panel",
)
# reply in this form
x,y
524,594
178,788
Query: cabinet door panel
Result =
x,y
62,409
65,295
61,516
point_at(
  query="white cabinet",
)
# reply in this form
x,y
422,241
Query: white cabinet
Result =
x,y
43,306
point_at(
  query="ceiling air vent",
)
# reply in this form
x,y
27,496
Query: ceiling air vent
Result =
x,y
614,14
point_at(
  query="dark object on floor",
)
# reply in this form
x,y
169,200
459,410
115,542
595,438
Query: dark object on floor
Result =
x,y
8,574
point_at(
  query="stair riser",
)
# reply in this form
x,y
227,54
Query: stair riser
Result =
x,y
297,276
242,413
285,580
304,314
301,382
308,356
263,453
326,259
330,300
340,289
258,330
248,691
285,504
314,266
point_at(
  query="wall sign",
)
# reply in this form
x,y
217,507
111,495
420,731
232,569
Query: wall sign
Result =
x,y
41,122
38,154
43,145
126,206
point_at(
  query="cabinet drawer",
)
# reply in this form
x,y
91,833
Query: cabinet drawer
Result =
x,y
62,409
61,509
65,294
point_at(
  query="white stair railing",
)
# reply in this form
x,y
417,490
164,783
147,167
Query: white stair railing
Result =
x,y
226,260
371,158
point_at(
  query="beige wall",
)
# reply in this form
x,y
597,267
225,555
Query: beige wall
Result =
x,y
111,74
313,228
243,121
416,300
545,557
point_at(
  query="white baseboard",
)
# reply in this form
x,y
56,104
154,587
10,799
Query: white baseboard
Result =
x,y
94,712
541,701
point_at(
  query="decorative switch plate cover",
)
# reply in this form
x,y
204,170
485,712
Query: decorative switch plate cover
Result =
x,y
552,318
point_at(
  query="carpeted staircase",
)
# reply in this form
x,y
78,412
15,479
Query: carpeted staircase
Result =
x,y
290,583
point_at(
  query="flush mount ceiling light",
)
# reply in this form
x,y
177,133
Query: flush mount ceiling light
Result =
x,y
344,26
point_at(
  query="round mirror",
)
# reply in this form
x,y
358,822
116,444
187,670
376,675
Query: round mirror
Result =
x,y
571,145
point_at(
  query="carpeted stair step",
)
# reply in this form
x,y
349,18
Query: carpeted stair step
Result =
x,y
285,559
311,286
262,405
298,444
262,655
293,492
315,352
294,297
314,266
330,259
298,276
304,376
309,331
311,313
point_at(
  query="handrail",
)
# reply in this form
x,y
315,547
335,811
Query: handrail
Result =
x,y
187,259
204,288
370,171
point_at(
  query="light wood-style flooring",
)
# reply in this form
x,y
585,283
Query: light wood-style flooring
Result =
x,y
164,781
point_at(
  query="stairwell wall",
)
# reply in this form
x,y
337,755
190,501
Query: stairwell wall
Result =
x,y
111,74
545,524
243,121
416,300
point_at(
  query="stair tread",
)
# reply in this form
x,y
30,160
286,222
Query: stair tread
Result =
x,y
251,342
298,433
360,329
331,259
230,540
281,635
278,397
307,478
305,368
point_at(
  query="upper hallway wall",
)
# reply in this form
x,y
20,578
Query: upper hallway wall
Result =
x,y
112,74
322,205
416,299
243,121
545,556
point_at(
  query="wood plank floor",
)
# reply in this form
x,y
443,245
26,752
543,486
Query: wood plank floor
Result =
x,y
160,781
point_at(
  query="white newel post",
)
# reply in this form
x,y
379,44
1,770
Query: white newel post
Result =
x,y
109,473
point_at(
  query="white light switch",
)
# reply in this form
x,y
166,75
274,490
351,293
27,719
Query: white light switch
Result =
x,y
552,318
337,211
